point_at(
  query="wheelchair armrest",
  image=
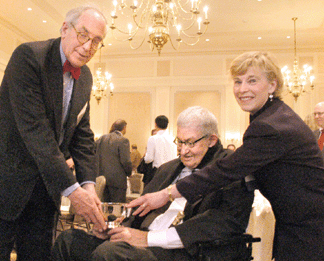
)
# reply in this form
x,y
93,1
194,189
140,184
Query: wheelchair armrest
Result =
x,y
245,238
235,240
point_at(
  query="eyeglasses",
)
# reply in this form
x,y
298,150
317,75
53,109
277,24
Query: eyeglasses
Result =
x,y
319,114
84,38
189,144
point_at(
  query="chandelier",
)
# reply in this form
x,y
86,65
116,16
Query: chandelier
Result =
x,y
297,81
101,82
161,20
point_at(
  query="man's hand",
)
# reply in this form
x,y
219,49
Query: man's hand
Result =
x,y
87,204
131,236
102,235
70,163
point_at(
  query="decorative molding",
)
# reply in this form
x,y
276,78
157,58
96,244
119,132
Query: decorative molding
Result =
x,y
49,10
15,30
4,58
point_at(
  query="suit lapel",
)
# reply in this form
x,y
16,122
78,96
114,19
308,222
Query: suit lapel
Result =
x,y
171,177
79,101
53,71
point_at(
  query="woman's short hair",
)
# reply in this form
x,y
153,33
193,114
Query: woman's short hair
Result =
x,y
200,118
260,60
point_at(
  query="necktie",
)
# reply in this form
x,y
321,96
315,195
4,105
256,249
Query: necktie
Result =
x,y
321,140
75,72
67,93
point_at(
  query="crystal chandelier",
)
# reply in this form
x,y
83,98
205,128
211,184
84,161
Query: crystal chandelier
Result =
x,y
101,83
161,20
297,82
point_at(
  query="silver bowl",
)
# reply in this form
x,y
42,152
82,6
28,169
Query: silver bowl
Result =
x,y
115,213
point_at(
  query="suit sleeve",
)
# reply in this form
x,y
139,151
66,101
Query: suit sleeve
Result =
x,y
83,150
124,156
221,215
262,144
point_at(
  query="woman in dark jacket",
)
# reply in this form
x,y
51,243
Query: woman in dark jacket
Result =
x,y
279,150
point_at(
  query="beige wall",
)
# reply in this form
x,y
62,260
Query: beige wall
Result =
x,y
185,99
149,86
135,109
176,82
10,39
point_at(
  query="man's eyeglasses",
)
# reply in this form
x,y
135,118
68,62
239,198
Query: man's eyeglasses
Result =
x,y
83,38
189,144
319,114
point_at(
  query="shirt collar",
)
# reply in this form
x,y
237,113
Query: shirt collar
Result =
x,y
118,132
161,132
63,58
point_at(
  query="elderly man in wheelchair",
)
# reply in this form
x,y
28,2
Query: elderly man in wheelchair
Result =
x,y
210,229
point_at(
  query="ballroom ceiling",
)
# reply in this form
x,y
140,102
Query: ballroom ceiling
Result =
x,y
234,25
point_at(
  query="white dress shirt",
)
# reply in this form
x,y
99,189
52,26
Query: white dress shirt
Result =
x,y
160,149
161,234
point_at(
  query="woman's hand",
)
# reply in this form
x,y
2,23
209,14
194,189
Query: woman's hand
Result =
x,y
149,202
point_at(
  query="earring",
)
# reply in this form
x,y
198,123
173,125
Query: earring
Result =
x,y
271,96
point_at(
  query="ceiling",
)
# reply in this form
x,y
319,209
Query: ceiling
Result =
x,y
234,25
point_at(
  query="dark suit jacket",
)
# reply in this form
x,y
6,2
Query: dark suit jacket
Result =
x,y
219,215
113,152
317,134
280,150
31,97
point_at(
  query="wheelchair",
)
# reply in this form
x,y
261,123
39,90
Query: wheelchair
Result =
x,y
238,248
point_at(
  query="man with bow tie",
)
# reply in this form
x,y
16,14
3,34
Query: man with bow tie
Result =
x,y
44,120
173,233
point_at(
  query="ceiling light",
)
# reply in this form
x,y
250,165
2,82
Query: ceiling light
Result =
x,y
101,82
297,80
160,20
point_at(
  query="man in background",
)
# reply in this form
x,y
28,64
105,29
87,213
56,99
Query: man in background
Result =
x,y
113,153
135,157
174,232
44,101
231,147
160,147
319,119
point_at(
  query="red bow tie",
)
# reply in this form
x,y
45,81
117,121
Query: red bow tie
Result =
x,y
75,72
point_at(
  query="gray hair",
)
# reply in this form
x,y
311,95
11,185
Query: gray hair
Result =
x,y
200,118
74,14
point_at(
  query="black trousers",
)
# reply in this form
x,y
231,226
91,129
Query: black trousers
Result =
x,y
113,194
77,245
32,232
